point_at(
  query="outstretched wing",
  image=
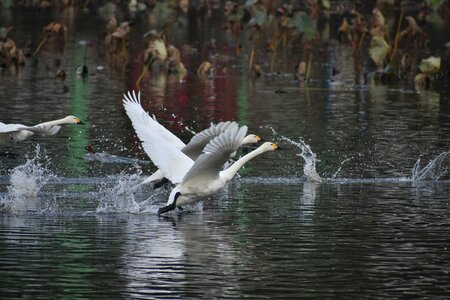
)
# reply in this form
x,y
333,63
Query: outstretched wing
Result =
x,y
45,129
216,153
199,141
137,115
6,128
173,163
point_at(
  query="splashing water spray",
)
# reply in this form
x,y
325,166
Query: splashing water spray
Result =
x,y
309,168
432,171
120,196
26,181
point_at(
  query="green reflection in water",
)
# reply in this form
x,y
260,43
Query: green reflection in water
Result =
x,y
75,271
79,134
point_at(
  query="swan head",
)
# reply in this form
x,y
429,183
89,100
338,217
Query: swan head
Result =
x,y
72,120
251,139
269,146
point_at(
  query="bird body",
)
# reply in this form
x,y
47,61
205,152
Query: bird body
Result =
x,y
197,177
19,132
204,184
148,130
205,176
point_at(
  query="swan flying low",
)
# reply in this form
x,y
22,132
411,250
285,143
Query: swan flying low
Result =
x,y
150,127
19,132
204,176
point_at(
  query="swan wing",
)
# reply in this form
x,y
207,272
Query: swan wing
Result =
x,y
173,163
216,153
45,129
6,128
137,115
14,133
199,141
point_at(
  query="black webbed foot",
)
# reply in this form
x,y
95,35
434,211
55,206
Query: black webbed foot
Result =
x,y
169,207
166,208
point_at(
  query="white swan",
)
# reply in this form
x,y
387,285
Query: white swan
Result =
x,y
19,132
193,149
204,176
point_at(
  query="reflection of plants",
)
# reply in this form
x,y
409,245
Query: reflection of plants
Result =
x,y
379,50
9,53
394,53
116,40
54,36
428,68
390,41
160,58
395,43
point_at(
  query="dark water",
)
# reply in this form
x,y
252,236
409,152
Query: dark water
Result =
x,y
72,228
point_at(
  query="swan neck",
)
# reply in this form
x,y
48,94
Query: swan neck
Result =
x,y
55,122
173,195
232,170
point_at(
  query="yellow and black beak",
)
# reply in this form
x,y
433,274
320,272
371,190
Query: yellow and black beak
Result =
x,y
79,121
259,141
276,147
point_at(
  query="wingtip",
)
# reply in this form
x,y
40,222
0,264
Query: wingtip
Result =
x,y
130,97
243,131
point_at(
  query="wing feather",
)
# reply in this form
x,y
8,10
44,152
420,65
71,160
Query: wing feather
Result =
x,y
137,115
216,154
198,142
5,128
45,129
173,163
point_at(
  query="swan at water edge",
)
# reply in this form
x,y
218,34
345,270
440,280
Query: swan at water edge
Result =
x,y
204,176
19,132
139,117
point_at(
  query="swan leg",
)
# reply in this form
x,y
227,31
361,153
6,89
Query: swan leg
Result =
x,y
166,208
169,207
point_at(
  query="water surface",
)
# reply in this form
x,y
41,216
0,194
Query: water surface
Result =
x,y
376,226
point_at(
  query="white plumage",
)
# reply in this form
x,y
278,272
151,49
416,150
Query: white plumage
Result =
x,y
148,129
19,132
205,176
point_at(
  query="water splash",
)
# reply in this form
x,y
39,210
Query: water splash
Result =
x,y
434,170
26,181
309,194
340,166
106,158
121,195
309,168
154,202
